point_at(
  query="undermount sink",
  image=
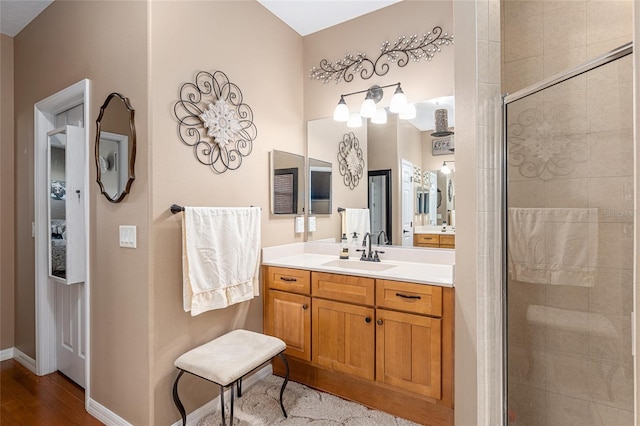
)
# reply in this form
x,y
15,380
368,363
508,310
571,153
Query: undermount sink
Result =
x,y
357,264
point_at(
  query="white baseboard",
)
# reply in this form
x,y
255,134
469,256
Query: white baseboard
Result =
x,y
25,360
105,415
195,416
6,354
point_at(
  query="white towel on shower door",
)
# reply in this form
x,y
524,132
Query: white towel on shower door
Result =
x,y
220,256
555,246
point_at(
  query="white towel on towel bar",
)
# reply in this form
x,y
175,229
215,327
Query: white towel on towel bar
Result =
x,y
355,220
220,256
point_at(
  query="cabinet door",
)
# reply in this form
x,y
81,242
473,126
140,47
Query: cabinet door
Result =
x,y
288,317
409,352
343,337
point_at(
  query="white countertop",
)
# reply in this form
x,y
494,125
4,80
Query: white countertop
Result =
x,y
418,265
431,229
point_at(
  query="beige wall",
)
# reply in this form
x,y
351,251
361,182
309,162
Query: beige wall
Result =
x,y
262,56
68,42
7,218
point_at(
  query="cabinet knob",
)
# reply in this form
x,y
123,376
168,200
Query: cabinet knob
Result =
x,y
379,322
367,319
305,306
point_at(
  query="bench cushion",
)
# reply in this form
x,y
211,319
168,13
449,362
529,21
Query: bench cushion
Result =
x,y
229,357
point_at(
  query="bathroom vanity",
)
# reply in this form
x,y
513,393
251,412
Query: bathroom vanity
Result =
x,y
434,237
377,333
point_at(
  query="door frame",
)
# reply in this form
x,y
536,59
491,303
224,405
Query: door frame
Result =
x,y
388,210
406,163
44,121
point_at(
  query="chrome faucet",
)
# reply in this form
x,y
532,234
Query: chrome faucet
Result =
x,y
367,254
380,234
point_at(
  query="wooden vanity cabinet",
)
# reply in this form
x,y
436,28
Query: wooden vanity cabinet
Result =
x,y
287,313
434,240
383,343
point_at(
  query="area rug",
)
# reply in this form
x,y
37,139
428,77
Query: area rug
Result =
x,y
260,405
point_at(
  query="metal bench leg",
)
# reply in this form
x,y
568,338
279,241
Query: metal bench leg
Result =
x,y
286,380
239,386
231,420
222,403
176,399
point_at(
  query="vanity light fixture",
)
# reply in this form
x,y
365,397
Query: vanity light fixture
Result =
x,y
368,109
446,169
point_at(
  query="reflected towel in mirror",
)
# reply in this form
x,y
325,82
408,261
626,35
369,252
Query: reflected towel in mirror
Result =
x,y
356,220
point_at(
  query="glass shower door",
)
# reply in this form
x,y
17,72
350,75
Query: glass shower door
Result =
x,y
569,247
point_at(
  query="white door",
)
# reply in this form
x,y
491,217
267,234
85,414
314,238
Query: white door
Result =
x,y
407,203
68,254
70,345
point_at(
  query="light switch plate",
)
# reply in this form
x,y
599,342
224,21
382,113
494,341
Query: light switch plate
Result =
x,y
311,223
128,236
299,224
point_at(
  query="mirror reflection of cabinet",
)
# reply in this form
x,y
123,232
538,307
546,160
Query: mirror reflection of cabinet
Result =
x,y
319,186
287,183
65,164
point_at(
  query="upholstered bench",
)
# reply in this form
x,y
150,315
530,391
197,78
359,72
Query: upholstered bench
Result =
x,y
226,360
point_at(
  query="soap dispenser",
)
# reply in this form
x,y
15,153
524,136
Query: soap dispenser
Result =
x,y
354,242
344,247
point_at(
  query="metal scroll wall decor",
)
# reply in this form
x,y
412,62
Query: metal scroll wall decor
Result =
x,y
547,141
405,49
351,160
215,121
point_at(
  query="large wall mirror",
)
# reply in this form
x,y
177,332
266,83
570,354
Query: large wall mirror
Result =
x,y
115,147
287,183
393,195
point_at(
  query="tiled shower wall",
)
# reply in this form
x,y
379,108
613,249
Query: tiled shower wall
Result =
x,y
580,375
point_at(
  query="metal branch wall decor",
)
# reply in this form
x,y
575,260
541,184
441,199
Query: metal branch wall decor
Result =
x,y
405,49
351,160
215,121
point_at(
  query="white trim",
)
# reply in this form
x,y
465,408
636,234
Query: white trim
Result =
x,y
44,117
25,360
198,414
6,354
105,415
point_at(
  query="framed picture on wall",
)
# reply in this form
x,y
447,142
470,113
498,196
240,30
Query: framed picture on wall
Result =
x,y
442,146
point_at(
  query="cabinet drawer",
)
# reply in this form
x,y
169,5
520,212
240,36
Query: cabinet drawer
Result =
x,y
287,279
409,297
447,240
426,239
344,288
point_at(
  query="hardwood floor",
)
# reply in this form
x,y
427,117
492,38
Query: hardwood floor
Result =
x,y
51,400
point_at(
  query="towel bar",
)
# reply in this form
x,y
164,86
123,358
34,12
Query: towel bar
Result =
x,y
177,209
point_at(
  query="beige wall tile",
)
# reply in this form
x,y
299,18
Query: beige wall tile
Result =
x,y
566,411
567,375
521,73
610,153
615,246
608,20
526,193
523,35
566,193
612,293
565,27
558,61
609,110
613,197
